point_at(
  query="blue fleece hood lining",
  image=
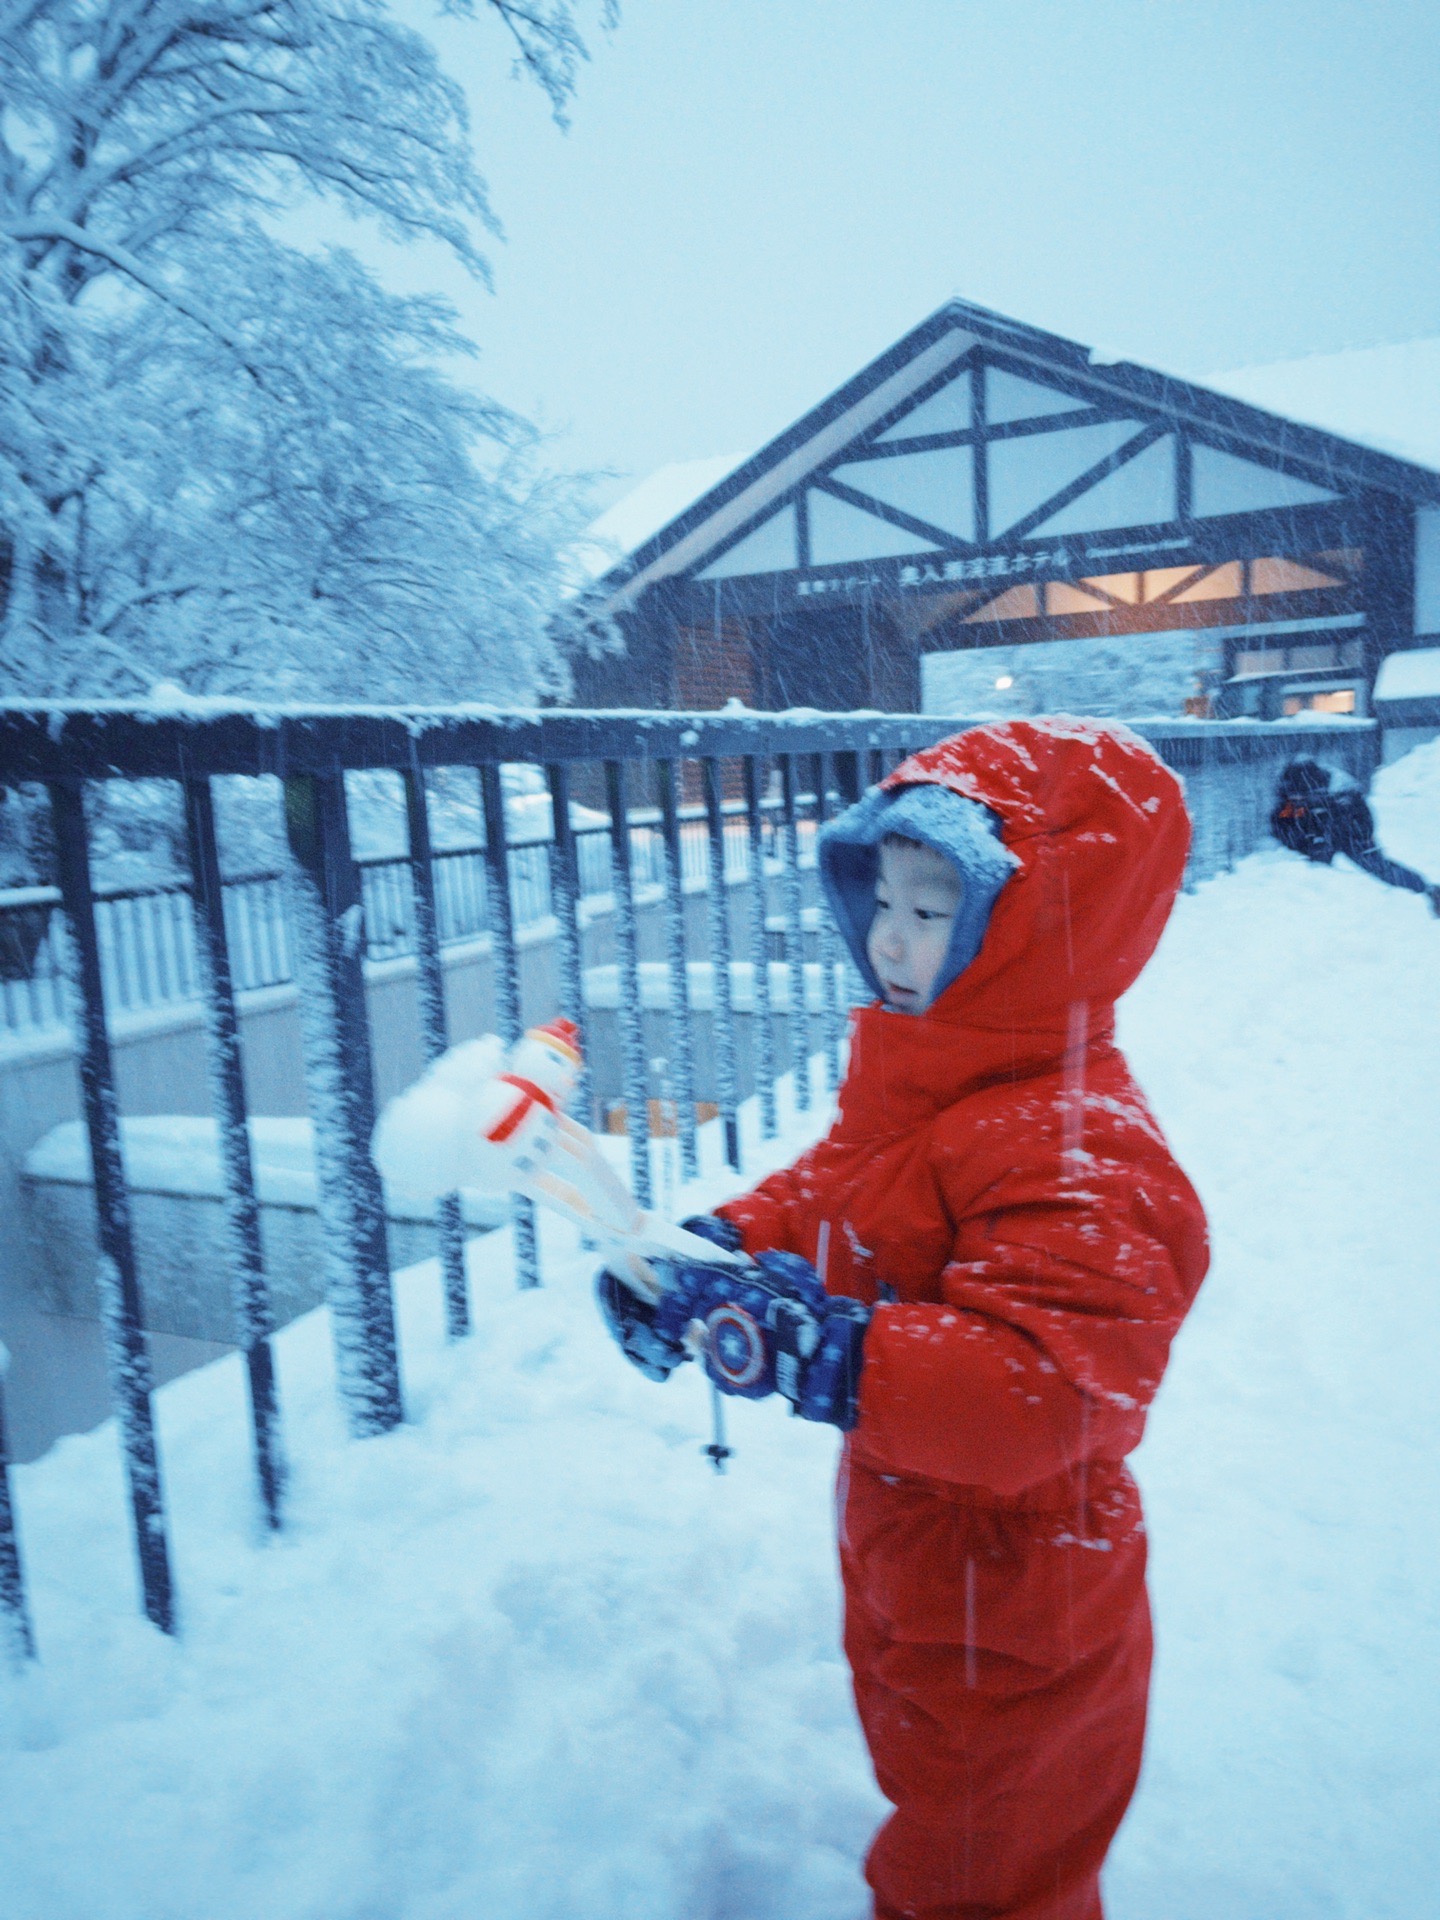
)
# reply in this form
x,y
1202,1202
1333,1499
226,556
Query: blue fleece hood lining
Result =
x,y
966,833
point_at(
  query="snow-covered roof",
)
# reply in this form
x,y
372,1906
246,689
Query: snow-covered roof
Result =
x,y
631,520
1354,421
1382,397
1411,675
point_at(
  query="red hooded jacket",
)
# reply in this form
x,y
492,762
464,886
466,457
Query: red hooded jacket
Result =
x,y
997,1185
995,1180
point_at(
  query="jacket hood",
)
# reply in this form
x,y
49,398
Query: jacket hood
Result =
x,y
1099,830
932,815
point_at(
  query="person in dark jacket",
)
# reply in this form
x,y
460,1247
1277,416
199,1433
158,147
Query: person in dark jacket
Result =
x,y
1320,813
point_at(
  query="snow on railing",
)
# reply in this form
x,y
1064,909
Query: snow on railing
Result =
x,y
79,955
764,783
147,934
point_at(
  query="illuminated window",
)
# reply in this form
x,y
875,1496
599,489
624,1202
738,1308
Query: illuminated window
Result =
x,y
1061,597
1160,580
1342,700
1017,603
1119,586
1311,659
1275,575
1221,583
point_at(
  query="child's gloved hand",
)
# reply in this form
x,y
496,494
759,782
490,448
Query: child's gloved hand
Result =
x,y
758,1332
715,1228
632,1321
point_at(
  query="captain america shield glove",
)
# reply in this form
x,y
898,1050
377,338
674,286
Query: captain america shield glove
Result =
x,y
631,1320
631,1324
715,1228
772,1330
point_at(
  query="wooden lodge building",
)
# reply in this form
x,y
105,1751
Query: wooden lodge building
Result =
x,y
983,484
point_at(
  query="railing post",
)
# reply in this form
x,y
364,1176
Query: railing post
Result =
x,y
722,1010
328,925
126,1352
249,1294
14,1614
799,1018
434,1035
629,1010
681,1023
764,1038
565,903
826,944
505,961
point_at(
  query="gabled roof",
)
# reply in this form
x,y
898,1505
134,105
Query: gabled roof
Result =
x,y
1387,398
1319,464
638,515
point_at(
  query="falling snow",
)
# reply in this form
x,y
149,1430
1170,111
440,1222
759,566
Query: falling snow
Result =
x,y
527,1657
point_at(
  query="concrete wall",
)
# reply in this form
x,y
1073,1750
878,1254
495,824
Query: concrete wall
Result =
x,y
57,1383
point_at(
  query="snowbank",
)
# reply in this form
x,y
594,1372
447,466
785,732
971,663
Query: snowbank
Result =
x,y
527,1658
1411,675
1287,1034
1405,798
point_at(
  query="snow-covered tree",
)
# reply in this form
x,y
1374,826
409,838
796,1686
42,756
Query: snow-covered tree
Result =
x,y
224,461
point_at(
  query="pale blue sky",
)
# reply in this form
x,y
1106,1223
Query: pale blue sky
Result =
x,y
758,195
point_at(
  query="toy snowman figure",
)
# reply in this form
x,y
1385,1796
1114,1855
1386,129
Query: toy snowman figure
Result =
x,y
484,1118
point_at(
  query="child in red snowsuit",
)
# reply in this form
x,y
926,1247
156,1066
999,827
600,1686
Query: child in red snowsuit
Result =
x,y
998,1198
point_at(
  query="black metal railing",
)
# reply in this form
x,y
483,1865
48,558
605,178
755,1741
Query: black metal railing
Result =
x,y
676,800
147,933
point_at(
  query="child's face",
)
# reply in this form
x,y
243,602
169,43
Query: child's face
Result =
x,y
917,895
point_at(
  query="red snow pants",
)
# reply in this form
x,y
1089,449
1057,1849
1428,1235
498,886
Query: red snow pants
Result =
x,y
1001,1658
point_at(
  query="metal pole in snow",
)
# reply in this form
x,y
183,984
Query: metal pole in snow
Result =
x,y
830,1025
630,1011
682,1027
14,1614
764,1041
127,1355
249,1294
719,1449
434,1035
505,960
799,1020
723,1012
329,927
565,904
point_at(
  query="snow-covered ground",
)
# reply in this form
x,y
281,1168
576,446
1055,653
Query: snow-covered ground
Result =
x,y
528,1658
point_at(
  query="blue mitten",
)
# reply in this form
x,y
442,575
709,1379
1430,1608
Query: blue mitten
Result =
x,y
632,1321
775,1329
719,1231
